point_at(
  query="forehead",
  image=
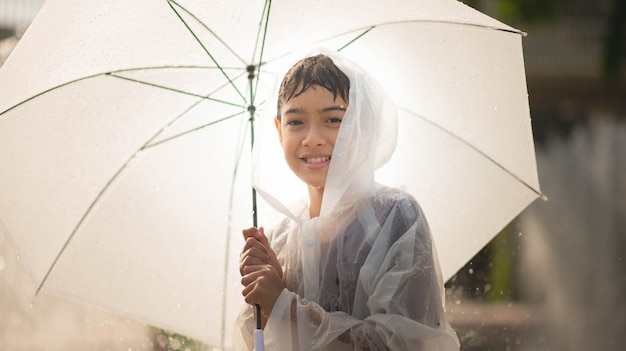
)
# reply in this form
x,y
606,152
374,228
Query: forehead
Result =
x,y
316,94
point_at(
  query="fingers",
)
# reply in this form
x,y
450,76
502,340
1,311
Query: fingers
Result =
x,y
255,247
262,286
261,273
256,238
254,253
251,232
258,234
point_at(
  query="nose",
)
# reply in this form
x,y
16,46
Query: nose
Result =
x,y
314,136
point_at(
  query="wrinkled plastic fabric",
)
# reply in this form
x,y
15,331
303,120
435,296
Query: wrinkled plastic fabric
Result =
x,y
379,282
363,275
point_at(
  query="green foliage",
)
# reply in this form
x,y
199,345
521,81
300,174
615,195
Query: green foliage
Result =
x,y
501,267
528,11
164,340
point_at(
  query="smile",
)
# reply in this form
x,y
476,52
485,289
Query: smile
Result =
x,y
317,159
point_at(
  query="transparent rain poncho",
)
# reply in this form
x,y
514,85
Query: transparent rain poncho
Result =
x,y
364,274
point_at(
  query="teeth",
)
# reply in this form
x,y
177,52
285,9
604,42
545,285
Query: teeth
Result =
x,y
317,159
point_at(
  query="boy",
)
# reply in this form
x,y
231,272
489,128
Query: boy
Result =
x,y
354,268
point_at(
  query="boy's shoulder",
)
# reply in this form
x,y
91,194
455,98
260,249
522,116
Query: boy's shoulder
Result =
x,y
393,197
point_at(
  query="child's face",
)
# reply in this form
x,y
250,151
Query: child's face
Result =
x,y
307,130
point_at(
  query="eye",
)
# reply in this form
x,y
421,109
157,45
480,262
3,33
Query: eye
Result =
x,y
334,120
294,122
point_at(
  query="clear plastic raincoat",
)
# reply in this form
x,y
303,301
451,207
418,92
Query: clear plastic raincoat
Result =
x,y
364,275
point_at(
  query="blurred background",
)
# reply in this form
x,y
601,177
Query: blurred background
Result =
x,y
554,279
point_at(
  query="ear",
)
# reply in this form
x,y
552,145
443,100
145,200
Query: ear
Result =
x,y
279,130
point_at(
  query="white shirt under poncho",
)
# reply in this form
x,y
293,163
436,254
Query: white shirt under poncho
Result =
x,y
378,286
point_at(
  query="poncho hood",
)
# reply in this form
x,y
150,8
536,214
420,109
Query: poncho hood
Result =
x,y
366,141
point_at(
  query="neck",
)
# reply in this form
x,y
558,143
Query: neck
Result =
x,y
315,201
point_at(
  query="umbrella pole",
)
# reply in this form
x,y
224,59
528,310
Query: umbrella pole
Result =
x,y
259,342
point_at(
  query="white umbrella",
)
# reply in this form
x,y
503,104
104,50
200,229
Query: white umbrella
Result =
x,y
124,134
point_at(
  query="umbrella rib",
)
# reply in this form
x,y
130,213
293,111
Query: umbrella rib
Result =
x,y
49,90
80,222
146,145
232,51
489,158
117,76
367,29
229,228
356,38
171,89
170,2
268,6
514,31
264,16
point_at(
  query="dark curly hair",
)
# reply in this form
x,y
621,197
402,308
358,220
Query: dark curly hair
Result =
x,y
315,70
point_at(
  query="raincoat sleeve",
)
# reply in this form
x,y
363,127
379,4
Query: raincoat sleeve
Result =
x,y
397,301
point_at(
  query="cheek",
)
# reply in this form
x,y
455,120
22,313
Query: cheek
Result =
x,y
286,142
333,136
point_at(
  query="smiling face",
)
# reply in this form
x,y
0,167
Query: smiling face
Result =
x,y
307,129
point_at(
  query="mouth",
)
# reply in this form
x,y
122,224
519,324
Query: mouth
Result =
x,y
314,160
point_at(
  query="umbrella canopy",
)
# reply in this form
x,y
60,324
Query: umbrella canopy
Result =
x,y
124,138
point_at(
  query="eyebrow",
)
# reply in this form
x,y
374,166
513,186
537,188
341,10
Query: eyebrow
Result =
x,y
325,109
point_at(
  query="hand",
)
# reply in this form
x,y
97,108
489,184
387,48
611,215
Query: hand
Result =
x,y
257,251
260,271
262,286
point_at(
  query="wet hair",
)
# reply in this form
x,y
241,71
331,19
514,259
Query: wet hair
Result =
x,y
315,70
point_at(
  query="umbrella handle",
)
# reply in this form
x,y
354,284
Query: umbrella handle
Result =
x,y
259,325
259,342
